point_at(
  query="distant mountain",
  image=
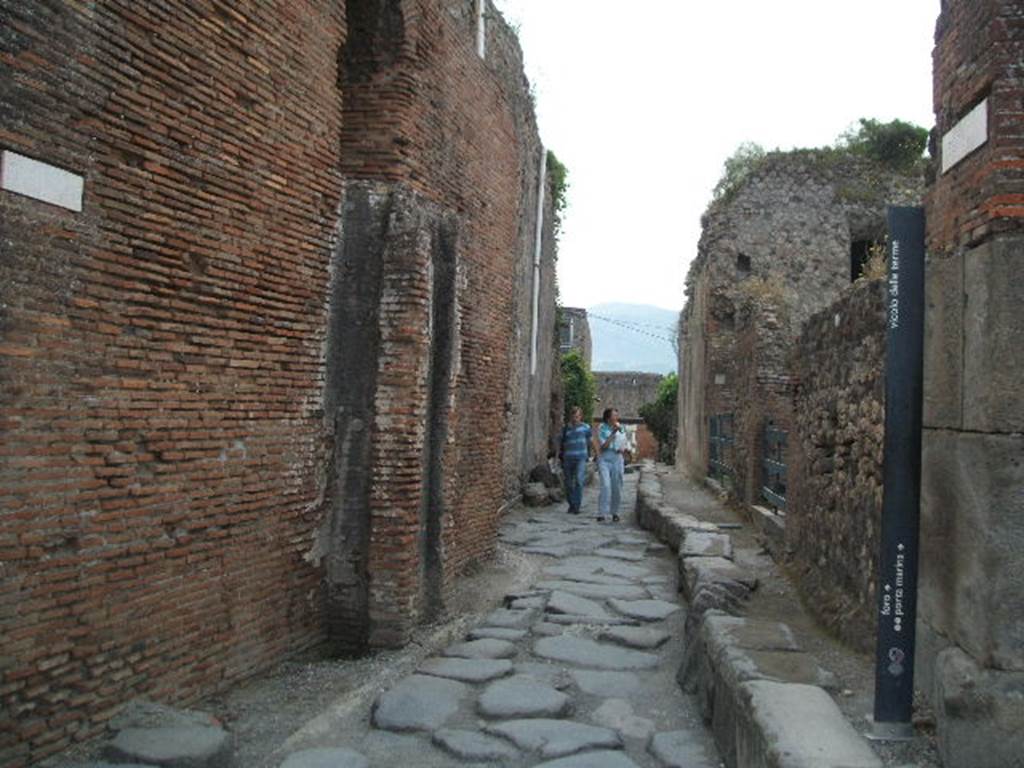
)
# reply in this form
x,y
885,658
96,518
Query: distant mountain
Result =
x,y
633,337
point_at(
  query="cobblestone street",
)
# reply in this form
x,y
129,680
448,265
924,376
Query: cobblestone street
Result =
x,y
577,670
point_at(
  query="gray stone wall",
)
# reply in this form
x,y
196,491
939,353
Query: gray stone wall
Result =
x,y
835,474
625,391
574,333
785,232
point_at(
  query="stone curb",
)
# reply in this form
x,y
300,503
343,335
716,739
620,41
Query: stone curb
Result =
x,y
755,686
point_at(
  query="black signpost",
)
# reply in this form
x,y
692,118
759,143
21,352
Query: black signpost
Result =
x,y
897,591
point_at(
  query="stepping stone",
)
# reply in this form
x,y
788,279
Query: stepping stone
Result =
x,y
466,670
644,638
619,715
602,759
679,749
645,610
197,746
473,745
555,738
522,696
606,683
621,554
601,591
497,633
507,619
326,758
587,653
418,703
563,602
488,648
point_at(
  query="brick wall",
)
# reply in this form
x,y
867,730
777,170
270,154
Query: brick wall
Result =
x,y
834,504
286,311
160,352
977,57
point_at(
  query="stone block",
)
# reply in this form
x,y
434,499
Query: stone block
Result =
x,y
943,341
787,725
972,544
979,713
993,329
705,544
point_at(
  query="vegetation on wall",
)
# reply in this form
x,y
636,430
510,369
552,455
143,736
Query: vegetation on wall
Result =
x,y
661,417
897,144
559,176
578,385
738,167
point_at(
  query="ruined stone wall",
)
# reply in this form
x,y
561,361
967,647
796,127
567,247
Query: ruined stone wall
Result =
x,y
834,503
625,391
763,374
785,231
575,333
161,352
242,392
971,597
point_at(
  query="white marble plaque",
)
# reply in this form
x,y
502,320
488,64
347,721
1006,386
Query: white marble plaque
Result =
x,y
41,181
965,137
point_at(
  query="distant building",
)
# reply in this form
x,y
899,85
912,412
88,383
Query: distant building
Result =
x,y
627,391
574,333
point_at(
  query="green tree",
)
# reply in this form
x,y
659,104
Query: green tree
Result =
x,y
660,417
896,144
738,167
578,385
559,176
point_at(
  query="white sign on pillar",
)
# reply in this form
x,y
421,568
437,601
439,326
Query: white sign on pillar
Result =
x,y
481,28
537,252
41,181
965,137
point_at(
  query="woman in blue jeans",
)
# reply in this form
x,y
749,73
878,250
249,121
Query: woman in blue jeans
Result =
x,y
611,444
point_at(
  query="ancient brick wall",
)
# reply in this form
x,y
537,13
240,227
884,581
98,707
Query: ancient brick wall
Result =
x,y
970,659
834,501
250,395
160,352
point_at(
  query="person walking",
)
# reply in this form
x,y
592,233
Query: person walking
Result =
x,y
574,451
610,444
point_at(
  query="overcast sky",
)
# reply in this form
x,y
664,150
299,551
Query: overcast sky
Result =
x,y
643,101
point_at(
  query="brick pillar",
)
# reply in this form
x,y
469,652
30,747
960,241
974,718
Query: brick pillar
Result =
x,y
972,558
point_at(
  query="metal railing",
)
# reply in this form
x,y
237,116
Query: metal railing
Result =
x,y
773,489
720,440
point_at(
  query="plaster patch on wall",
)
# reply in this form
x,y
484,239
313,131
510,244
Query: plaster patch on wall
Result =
x,y
41,181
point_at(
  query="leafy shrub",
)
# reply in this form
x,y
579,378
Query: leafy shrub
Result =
x,y
660,417
896,144
744,161
578,385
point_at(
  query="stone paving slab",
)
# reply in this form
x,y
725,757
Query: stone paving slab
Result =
x,y
645,610
175,747
486,648
630,555
563,602
555,676
326,758
522,696
599,591
618,714
706,544
587,653
602,759
473,745
642,638
419,703
508,619
603,565
466,670
555,738
586,575
679,749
